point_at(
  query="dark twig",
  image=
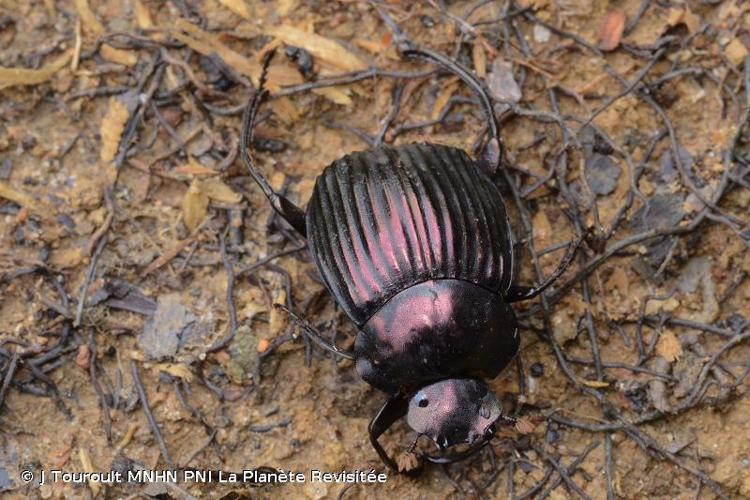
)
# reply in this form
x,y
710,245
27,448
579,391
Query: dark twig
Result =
x,y
149,415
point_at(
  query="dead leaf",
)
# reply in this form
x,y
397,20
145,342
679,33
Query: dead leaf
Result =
x,y
175,369
525,425
443,97
22,76
87,16
239,7
194,206
668,347
479,57
611,29
215,189
16,196
337,95
596,384
112,128
142,15
285,110
168,255
209,44
124,57
320,47
192,167
736,51
83,357
88,466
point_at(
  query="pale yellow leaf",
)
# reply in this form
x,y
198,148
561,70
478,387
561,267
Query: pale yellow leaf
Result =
x,y
668,347
90,21
442,99
118,56
215,189
111,129
208,45
337,95
194,168
142,15
596,384
22,76
194,206
174,369
239,7
16,196
320,47
480,59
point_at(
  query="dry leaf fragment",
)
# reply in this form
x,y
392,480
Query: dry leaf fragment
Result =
x,y
216,190
239,7
22,76
88,466
112,128
442,99
192,167
142,15
611,29
736,51
118,56
175,369
668,347
525,426
16,196
479,58
596,384
320,47
337,95
87,16
194,206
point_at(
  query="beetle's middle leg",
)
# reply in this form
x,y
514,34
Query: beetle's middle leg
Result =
x,y
293,214
519,293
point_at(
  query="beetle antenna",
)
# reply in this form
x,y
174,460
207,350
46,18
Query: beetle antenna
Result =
x,y
493,150
294,215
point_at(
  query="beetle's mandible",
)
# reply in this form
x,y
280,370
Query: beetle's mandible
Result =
x,y
414,243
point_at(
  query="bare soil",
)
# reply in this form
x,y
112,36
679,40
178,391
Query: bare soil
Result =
x,y
138,258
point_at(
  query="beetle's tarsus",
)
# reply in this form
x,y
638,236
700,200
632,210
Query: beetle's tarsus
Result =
x,y
313,334
294,215
519,293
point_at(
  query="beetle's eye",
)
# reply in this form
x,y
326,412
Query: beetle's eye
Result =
x,y
423,402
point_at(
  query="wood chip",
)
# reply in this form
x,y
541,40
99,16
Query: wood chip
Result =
x,y
21,76
192,167
21,198
320,47
443,97
596,384
88,466
611,29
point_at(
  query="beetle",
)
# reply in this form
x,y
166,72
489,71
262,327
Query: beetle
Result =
x,y
414,244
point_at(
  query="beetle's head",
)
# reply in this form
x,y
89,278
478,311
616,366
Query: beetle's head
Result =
x,y
454,411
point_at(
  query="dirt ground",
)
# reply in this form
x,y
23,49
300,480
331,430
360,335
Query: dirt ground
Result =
x,y
140,265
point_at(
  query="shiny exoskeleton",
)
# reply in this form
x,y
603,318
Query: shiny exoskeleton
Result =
x,y
414,244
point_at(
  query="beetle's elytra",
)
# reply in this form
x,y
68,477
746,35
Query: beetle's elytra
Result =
x,y
414,243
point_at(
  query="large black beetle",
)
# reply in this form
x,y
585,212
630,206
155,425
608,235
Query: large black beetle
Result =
x,y
414,244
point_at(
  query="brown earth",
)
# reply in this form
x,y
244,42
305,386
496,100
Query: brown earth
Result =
x,y
121,191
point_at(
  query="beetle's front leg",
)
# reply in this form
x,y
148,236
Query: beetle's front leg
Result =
x,y
393,409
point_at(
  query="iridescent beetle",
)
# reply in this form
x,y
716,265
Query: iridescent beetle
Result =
x,y
414,243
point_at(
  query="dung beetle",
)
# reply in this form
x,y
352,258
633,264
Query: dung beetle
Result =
x,y
415,245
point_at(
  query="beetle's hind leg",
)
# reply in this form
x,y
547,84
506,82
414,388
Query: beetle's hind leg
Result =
x,y
314,335
519,293
293,214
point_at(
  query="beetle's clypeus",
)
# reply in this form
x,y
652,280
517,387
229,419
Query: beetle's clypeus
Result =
x,y
414,243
